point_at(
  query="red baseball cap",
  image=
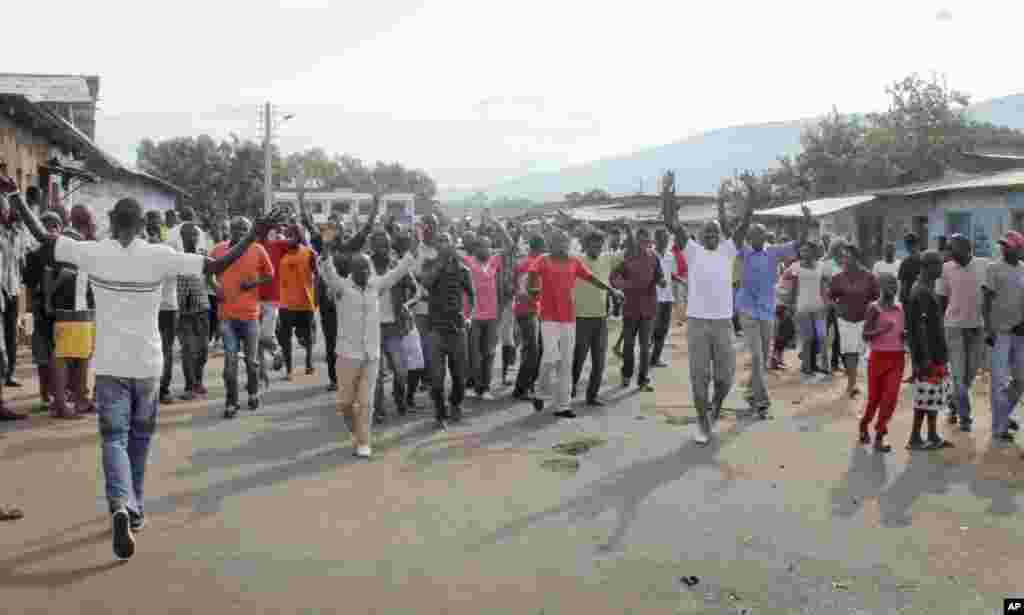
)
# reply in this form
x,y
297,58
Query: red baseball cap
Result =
x,y
1013,239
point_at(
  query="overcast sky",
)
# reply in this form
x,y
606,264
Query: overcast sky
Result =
x,y
475,92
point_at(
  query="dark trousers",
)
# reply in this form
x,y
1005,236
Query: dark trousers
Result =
x,y
301,324
214,319
393,359
11,334
662,324
533,348
833,324
329,323
631,329
194,333
483,342
168,332
447,354
591,338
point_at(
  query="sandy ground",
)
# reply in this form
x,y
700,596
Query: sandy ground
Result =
x,y
270,513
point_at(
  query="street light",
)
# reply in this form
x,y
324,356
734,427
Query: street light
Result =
x,y
269,127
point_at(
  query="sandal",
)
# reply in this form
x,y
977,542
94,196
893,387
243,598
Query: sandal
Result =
x,y
10,514
934,445
917,445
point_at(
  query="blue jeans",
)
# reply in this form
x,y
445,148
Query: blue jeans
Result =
x,y
127,410
236,333
1007,379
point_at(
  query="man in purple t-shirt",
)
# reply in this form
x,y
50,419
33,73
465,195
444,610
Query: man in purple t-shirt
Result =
x,y
755,302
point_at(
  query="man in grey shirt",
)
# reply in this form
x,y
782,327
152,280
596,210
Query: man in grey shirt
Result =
x,y
1003,312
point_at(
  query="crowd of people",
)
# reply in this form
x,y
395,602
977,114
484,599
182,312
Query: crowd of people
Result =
x,y
424,307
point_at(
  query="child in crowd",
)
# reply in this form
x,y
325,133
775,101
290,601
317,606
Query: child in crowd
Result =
x,y
928,352
883,330
810,306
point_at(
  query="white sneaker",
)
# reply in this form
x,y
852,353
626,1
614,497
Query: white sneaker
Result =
x,y
487,396
701,438
364,452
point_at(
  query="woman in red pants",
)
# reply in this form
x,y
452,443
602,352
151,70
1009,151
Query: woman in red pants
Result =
x,y
883,330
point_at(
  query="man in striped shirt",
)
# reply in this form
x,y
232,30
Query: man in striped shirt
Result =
x,y
127,274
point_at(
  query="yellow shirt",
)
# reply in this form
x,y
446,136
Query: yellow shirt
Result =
x,y
590,300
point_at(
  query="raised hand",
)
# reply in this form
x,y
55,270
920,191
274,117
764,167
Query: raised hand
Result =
x,y
7,185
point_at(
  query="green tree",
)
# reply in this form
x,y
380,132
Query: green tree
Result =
x,y
915,140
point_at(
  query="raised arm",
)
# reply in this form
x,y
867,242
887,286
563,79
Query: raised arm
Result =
x,y
805,228
723,219
401,270
329,273
35,228
741,231
259,229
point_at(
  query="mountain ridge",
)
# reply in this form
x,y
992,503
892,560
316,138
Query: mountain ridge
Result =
x,y
703,160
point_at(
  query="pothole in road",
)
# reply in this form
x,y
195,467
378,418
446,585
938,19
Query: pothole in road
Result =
x,y
567,462
579,446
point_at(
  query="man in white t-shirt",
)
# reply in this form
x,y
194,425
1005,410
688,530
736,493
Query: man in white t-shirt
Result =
x,y
666,298
709,311
203,244
889,263
127,275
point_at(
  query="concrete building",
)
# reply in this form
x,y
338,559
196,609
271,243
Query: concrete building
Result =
x,y
639,209
344,203
982,206
47,129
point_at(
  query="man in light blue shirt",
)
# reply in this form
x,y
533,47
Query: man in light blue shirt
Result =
x,y
755,303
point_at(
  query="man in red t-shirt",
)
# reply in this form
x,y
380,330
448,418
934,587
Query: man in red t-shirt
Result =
x,y
270,302
525,310
554,277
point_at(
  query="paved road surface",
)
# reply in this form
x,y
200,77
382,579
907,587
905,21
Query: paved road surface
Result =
x,y
270,513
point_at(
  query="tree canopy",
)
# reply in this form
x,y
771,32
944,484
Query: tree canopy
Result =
x,y
915,140
226,178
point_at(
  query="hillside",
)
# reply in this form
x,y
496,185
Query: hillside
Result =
x,y
703,160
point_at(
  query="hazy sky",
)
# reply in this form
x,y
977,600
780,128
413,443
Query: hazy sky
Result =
x,y
478,91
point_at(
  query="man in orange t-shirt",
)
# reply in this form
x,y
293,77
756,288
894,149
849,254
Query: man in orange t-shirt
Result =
x,y
297,273
240,313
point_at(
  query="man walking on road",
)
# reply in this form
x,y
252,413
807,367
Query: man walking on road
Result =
x,y
525,309
554,277
639,276
1003,314
126,275
959,289
240,313
447,281
193,320
756,302
709,330
666,298
592,318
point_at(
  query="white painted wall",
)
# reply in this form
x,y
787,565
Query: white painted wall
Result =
x,y
100,197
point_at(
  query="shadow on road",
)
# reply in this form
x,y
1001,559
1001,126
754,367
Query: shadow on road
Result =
x,y
622,491
9,575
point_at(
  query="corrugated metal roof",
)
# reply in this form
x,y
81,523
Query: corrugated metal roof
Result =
x,y
1005,179
610,212
995,156
47,88
818,207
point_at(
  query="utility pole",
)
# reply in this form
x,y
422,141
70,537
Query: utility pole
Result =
x,y
268,195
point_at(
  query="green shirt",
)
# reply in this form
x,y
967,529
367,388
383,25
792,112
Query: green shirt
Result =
x,y
590,300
